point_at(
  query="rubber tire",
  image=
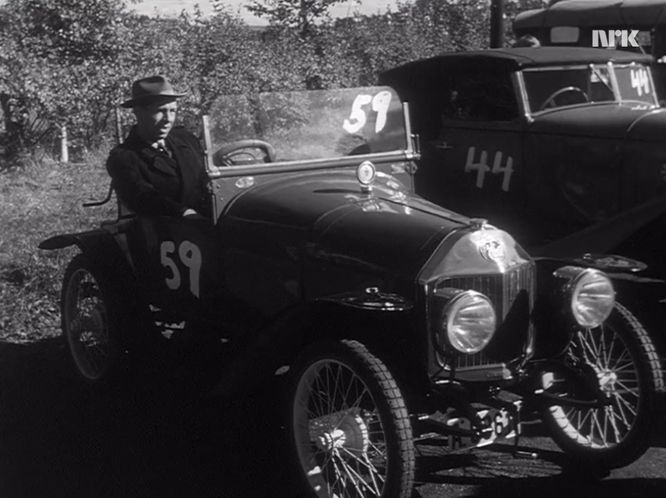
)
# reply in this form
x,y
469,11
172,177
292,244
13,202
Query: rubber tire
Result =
x,y
117,317
389,403
651,392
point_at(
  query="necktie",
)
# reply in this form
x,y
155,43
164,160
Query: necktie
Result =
x,y
161,146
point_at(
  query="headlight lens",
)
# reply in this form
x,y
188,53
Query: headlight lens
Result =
x,y
592,298
470,321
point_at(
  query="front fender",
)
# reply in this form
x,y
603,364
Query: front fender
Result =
x,y
81,239
391,335
607,235
99,245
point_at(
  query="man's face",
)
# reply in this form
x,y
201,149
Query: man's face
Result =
x,y
154,121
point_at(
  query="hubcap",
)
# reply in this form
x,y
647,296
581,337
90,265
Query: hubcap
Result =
x,y
607,381
350,433
338,434
616,371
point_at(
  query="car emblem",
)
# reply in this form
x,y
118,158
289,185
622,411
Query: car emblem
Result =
x,y
492,250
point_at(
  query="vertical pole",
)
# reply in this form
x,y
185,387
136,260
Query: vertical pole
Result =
x,y
210,167
303,14
496,23
119,128
64,152
208,144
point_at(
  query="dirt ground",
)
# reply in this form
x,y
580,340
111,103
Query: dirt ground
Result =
x,y
161,438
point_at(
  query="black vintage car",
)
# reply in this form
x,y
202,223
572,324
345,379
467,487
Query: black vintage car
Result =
x,y
397,321
561,146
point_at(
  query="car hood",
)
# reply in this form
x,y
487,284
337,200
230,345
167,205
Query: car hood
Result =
x,y
600,121
327,215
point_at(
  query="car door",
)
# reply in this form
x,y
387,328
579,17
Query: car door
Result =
x,y
176,261
473,163
574,146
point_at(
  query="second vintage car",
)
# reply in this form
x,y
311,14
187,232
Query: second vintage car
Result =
x,y
562,146
398,322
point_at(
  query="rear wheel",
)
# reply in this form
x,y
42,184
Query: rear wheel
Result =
x,y
349,425
620,357
92,320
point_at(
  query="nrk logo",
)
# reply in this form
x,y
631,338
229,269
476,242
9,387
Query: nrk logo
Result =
x,y
611,38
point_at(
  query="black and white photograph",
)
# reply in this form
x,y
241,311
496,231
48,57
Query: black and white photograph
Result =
x,y
332,248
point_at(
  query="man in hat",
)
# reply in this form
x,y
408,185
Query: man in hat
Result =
x,y
159,169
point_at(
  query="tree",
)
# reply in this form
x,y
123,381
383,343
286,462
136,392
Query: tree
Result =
x,y
70,62
57,62
300,15
73,29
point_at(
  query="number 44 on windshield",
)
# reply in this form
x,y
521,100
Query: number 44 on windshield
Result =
x,y
481,167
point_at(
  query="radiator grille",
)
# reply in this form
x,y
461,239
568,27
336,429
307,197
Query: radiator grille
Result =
x,y
502,289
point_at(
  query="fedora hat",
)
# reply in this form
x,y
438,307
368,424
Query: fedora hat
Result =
x,y
151,89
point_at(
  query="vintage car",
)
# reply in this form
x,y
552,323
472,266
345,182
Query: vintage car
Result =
x,y
396,321
562,147
637,25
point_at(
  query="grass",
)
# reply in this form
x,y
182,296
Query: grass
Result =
x,y
42,199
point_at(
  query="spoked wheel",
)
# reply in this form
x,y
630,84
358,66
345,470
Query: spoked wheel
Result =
x,y
620,357
350,426
90,322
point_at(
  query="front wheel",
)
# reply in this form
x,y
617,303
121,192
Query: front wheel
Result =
x,y
620,357
349,425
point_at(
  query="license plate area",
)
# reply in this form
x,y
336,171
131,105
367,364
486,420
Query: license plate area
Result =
x,y
498,425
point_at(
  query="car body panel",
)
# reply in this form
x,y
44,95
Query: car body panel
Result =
x,y
541,174
610,121
299,250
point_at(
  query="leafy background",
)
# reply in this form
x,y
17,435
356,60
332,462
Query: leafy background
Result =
x,y
70,62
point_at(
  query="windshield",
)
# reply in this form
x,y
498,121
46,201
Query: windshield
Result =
x,y
309,125
549,88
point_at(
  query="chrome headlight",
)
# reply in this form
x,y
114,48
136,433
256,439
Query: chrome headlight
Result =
x,y
591,295
592,298
469,321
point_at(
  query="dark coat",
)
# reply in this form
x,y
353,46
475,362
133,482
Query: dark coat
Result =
x,y
150,182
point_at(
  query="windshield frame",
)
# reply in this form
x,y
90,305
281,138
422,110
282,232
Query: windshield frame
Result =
x,y
610,66
410,152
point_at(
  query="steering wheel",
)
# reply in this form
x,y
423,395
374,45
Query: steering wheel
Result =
x,y
550,101
249,151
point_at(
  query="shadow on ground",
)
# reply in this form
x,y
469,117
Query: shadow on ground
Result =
x,y
156,438
160,438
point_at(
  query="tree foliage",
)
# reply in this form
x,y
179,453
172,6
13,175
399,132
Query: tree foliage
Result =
x,y
54,56
300,15
73,29
70,62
